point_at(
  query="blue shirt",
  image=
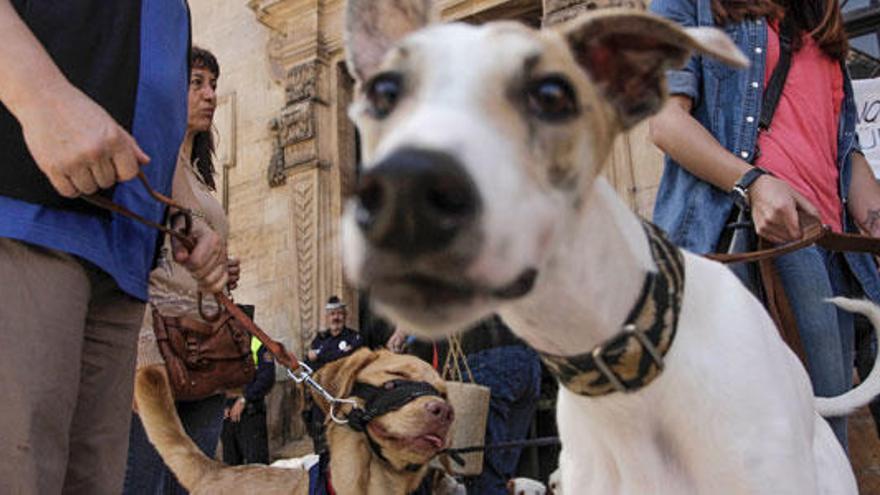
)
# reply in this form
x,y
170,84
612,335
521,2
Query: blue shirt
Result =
x,y
117,245
727,102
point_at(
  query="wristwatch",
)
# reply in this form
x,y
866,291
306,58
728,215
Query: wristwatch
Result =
x,y
740,190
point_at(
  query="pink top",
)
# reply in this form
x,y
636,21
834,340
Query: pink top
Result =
x,y
801,148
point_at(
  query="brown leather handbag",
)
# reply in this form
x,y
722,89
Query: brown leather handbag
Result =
x,y
203,359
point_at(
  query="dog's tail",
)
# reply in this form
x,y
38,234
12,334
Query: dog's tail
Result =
x,y
158,414
845,403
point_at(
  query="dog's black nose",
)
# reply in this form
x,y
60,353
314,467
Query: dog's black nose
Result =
x,y
415,201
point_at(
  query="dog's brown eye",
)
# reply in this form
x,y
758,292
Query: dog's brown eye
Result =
x,y
552,99
383,91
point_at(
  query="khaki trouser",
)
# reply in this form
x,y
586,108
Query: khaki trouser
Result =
x,y
68,340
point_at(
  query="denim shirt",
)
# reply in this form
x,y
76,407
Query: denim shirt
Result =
x,y
727,102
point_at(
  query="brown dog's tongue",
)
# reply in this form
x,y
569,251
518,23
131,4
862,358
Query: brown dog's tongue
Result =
x,y
435,440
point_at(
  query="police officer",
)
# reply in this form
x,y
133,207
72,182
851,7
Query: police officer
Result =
x,y
334,342
245,437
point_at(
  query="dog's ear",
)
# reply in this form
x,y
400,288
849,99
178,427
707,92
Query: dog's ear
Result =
x,y
338,377
374,26
626,53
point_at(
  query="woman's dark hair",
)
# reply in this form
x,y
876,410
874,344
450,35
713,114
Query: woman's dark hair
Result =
x,y
203,142
822,19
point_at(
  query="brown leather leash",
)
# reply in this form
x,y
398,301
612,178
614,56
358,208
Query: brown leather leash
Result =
x,y
300,372
183,235
776,300
814,233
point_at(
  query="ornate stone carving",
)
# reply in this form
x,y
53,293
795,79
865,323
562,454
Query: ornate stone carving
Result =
x,y
294,128
305,212
297,123
277,174
302,82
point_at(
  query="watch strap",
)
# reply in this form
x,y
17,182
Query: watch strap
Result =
x,y
741,188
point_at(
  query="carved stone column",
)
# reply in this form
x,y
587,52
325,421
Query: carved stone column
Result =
x,y
300,160
305,164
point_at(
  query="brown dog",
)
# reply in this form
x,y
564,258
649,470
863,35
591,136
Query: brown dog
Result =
x,y
404,439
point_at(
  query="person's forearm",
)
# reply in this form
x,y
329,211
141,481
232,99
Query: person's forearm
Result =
x,y
684,139
864,196
27,69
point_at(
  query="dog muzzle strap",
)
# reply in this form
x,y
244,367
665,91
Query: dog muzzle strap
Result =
x,y
391,396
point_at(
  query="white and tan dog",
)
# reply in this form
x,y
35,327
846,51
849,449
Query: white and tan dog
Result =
x,y
482,149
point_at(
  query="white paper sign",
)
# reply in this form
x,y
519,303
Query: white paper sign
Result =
x,y
867,94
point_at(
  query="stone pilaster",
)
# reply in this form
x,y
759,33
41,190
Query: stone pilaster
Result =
x,y
305,157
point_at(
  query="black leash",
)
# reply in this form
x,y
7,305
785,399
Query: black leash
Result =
x,y
455,454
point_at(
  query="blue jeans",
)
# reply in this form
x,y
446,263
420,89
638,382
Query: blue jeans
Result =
x,y
810,276
513,374
146,474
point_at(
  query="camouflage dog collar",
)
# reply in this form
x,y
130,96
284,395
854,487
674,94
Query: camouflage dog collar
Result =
x,y
634,357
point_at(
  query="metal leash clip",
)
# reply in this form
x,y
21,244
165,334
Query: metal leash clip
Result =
x,y
303,374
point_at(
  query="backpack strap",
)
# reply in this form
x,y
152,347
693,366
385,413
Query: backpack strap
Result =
x,y
773,91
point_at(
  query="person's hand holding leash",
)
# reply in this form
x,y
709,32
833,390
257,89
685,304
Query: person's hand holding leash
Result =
x,y
776,208
207,261
77,144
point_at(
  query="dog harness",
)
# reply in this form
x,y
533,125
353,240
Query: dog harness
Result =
x,y
389,397
634,357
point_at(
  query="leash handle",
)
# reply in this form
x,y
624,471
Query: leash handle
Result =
x,y
277,349
182,234
204,314
814,233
